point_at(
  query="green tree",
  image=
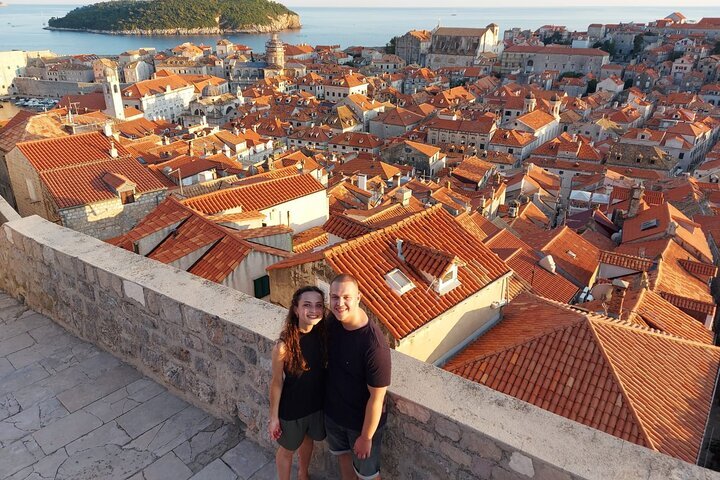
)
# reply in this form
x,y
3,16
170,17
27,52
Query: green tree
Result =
x,y
390,46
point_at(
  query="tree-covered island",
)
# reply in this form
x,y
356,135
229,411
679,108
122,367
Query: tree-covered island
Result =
x,y
167,17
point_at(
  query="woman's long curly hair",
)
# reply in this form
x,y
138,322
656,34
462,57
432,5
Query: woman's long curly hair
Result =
x,y
295,363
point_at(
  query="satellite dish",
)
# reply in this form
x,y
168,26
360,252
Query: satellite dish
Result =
x,y
167,170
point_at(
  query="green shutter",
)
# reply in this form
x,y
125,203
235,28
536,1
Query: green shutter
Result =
x,y
262,286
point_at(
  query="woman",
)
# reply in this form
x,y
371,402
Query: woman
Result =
x,y
297,388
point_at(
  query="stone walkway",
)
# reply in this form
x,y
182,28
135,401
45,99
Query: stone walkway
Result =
x,y
71,411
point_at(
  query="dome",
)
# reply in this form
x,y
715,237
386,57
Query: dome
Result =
x,y
108,72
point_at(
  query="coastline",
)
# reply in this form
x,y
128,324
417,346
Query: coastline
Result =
x,y
178,31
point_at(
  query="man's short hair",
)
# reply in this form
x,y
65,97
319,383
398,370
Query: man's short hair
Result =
x,y
345,277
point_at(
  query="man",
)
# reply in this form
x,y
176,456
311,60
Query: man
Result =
x,y
358,377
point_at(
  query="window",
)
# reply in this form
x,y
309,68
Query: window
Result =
x,y
262,286
127,197
647,225
31,190
398,281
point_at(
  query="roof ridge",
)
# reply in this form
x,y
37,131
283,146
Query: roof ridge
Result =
x,y
621,386
376,233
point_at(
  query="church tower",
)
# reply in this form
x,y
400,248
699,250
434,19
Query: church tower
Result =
x,y
111,92
275,52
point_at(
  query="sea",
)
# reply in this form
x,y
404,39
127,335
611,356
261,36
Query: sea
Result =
x,y
21,25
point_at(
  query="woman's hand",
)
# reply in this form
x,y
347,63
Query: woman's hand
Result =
x,y
274,428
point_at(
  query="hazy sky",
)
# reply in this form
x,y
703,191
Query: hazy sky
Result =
x,y
449,3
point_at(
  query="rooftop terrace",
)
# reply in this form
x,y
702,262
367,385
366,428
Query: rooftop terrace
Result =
x,y
205,349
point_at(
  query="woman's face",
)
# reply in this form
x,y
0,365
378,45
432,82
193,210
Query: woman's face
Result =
x,y
310,309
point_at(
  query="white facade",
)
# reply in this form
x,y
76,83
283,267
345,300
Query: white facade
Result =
x,y
300,214
168,105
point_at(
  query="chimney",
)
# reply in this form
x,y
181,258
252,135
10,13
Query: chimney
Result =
x,y
113,151
548,263
615,304
362,181
636,195
399,245
190,147
107,129
672,228
402,195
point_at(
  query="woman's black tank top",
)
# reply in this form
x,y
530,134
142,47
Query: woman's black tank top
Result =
x,y
304,394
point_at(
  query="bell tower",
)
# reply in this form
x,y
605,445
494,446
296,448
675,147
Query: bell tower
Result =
x,y
275,51
111,92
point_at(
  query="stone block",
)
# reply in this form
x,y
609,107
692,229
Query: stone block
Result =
x,y
19,455
108,434
170,310
447,428
13,344
67,429
544,471
418,434
481,445
86,393
246,458
171,433
521,464
151,413
107,461
455,454
413,410
215,470
134,292
168,467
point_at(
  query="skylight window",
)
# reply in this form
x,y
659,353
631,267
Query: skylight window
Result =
x,y
398,281
648,224
572,254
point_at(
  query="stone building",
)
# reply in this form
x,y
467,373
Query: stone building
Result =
x,y
536,59
452,47
90,183
413,46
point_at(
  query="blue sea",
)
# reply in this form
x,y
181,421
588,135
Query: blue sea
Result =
x,y
21,26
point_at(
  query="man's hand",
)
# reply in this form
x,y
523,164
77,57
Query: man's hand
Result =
x,y
274,428
362,447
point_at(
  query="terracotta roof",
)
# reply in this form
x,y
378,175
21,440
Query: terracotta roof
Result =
x,y
433,228
524,261
640,385
641,264
368,165
257,196
577,257
346,227
309,240
557,50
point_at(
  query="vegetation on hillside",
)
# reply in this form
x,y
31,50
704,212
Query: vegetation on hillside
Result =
x,y
126,15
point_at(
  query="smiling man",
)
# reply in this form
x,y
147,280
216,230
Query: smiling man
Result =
x,y
358,377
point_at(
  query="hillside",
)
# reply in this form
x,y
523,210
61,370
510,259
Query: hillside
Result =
x,y
178,16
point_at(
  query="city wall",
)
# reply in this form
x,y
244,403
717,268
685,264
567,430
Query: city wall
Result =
x,y
211,345
25,86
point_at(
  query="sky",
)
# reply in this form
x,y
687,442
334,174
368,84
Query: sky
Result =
x,y
447,3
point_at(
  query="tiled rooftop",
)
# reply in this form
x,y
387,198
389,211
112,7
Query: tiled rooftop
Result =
x,y
605,373
72,411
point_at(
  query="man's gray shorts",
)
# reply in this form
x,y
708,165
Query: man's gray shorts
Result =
x,y
341,440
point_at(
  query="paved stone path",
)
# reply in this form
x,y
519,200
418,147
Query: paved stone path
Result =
x,y
71,411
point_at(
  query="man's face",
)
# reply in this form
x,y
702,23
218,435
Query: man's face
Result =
x,y
344,300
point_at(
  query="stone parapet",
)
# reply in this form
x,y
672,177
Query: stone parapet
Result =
x,y
7,213
211,346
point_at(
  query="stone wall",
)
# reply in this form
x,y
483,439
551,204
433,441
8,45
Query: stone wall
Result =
x,y
211,345
111,218
49,88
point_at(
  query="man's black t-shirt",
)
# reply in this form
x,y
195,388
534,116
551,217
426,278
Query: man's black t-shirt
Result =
x,y
356,359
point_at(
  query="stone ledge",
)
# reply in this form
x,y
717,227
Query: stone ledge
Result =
x,y
7,213
217,357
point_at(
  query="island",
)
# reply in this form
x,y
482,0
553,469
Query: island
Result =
x,y
178,17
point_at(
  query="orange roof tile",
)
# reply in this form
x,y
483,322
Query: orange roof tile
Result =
x,y
607,374
574,255
309,240
524,261
257,196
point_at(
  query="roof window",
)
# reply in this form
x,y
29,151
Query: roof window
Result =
x,y
572,254
648,224
398,281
